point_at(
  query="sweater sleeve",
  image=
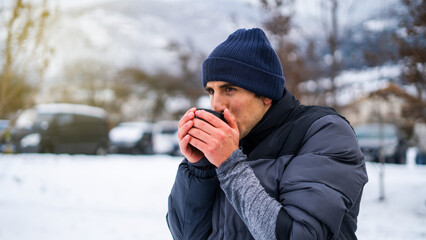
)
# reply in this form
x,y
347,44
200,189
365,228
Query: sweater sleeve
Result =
x,y
191,200
242,188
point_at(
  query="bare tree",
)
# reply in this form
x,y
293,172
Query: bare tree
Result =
x,y
91,79
279,25
189,79
26,54
330,8
412,47
96,83
153,90
298,65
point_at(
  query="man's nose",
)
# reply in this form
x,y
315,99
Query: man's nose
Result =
x,y
218,104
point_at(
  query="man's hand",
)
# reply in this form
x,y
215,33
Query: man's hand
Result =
x,y
192,154
215,138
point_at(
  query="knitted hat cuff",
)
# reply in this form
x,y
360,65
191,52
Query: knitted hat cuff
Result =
x,y
243,75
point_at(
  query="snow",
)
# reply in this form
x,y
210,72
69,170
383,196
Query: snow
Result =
x,y
84,197
402,215
355,84
125,197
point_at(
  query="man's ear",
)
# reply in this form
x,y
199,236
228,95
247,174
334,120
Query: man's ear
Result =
x,y
267,101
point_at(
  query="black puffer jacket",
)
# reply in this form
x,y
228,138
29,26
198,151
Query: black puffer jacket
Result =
x,y
307,158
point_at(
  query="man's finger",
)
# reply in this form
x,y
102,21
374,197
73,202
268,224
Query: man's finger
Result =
x,y
183,130
189,115
199,134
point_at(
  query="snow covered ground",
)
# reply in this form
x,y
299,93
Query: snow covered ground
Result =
x,y
81,197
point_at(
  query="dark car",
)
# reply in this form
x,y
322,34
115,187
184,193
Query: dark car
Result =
x,y
131,138
373,137
61,128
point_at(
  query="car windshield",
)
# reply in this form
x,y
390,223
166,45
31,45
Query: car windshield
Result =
x,y
26,119
373,131
29,117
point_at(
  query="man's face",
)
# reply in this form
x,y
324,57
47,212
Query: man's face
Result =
x,y
247,108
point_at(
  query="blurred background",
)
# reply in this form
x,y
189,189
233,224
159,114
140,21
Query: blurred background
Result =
x,y
111,78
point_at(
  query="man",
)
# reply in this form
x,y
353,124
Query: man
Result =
x,y
276,169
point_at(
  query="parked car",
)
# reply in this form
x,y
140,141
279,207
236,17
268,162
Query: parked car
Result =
x,y
131,138
61,128
165,138
373,136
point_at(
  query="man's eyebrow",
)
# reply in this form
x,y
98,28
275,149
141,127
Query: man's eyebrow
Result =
x,y
226,85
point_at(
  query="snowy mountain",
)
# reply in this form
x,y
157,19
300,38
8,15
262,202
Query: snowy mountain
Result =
x,y
137,33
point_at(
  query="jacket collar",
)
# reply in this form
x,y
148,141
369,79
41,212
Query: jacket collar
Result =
x,y
276,116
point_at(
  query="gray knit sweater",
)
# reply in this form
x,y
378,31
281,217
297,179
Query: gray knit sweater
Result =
x,y
243,190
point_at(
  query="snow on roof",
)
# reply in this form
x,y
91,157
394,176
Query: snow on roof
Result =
x,y
354,84
129,132
71,108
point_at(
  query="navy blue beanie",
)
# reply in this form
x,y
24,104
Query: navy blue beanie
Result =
x,y
247,60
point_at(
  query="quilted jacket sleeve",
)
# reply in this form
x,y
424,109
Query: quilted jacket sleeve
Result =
x,y
324,181
191,200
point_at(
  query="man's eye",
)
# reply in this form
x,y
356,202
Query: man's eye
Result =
x,y
209,91
230,89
